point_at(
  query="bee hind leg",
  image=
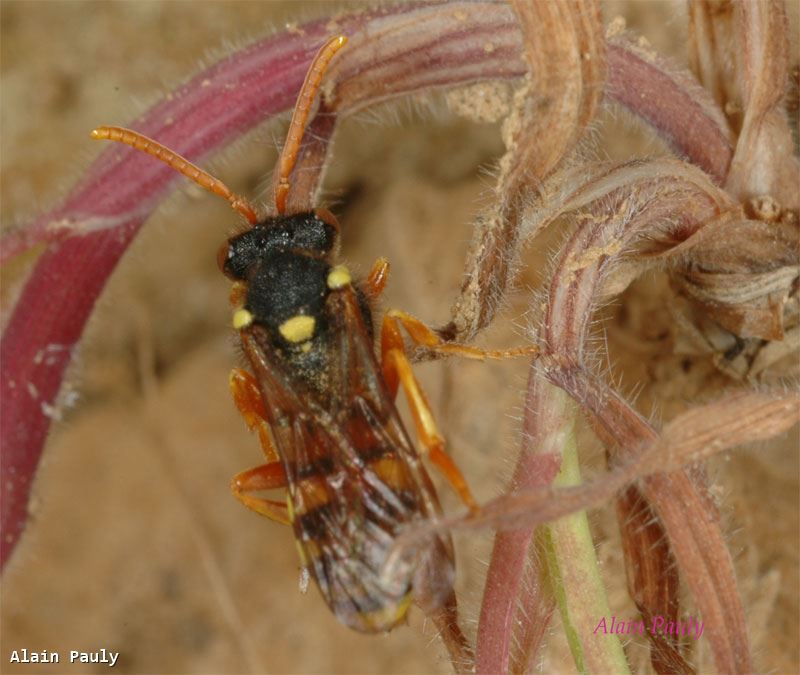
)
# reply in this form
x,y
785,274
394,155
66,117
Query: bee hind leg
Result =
x,y
445,618
397,368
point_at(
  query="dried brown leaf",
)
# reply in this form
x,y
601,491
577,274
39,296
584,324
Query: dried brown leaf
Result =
x,y
743,417
741,273
711,54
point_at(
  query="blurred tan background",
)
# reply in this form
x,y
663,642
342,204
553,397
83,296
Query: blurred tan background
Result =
x,y
135,544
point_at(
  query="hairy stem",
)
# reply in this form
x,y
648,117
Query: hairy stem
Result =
x,y
575,577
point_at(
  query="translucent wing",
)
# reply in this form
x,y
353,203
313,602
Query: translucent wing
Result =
x,y
355,481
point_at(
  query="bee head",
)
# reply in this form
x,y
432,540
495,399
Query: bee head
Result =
x,y
313,234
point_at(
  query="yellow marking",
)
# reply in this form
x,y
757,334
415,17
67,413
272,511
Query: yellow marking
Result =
x,y
301,553
242,319
298,329
390,471
388,616
306,347
289,507
311,494
338,277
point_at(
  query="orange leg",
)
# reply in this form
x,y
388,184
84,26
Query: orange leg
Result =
x,y
396,367
378,276
269,476
237,294
264,477
247,397
392,338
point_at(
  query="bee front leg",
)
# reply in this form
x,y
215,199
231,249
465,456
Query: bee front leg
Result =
x,y
397,369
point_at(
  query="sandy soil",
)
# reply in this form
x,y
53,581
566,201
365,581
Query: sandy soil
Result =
x,y
135,544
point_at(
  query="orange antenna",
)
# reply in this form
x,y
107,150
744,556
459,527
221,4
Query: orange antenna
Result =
x,y
181,165
302,109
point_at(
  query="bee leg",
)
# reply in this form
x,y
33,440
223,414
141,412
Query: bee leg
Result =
x,y
264,477
247,397
396,368
378,276
422,335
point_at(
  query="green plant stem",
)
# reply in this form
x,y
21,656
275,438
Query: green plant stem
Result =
x,y
574,574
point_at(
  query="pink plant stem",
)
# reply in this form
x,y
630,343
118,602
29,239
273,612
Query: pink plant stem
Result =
x,y
678,108
500,597
92,228
111,201
667,212
689,518
537,466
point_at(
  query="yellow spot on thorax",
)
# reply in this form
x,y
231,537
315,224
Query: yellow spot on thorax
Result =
x,y
297,329
338,277
242,319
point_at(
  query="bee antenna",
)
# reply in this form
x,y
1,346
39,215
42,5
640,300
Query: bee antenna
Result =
x,y
175,161
302,109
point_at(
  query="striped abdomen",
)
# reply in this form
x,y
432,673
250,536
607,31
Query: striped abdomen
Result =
x,y
348,502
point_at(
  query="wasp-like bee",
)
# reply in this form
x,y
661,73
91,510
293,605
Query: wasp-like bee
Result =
x,y
321,398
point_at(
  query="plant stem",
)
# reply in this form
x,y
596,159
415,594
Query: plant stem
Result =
x,y
574,573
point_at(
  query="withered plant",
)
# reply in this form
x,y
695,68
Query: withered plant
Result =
x,y
720,219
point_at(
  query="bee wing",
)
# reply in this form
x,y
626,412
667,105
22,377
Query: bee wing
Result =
x,y
392,471
372,422
354,479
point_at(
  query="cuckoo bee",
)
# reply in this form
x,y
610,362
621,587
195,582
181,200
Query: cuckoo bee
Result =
x,y
320,394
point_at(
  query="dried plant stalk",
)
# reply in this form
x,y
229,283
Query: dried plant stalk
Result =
x,y
644,208
763,163
768,415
